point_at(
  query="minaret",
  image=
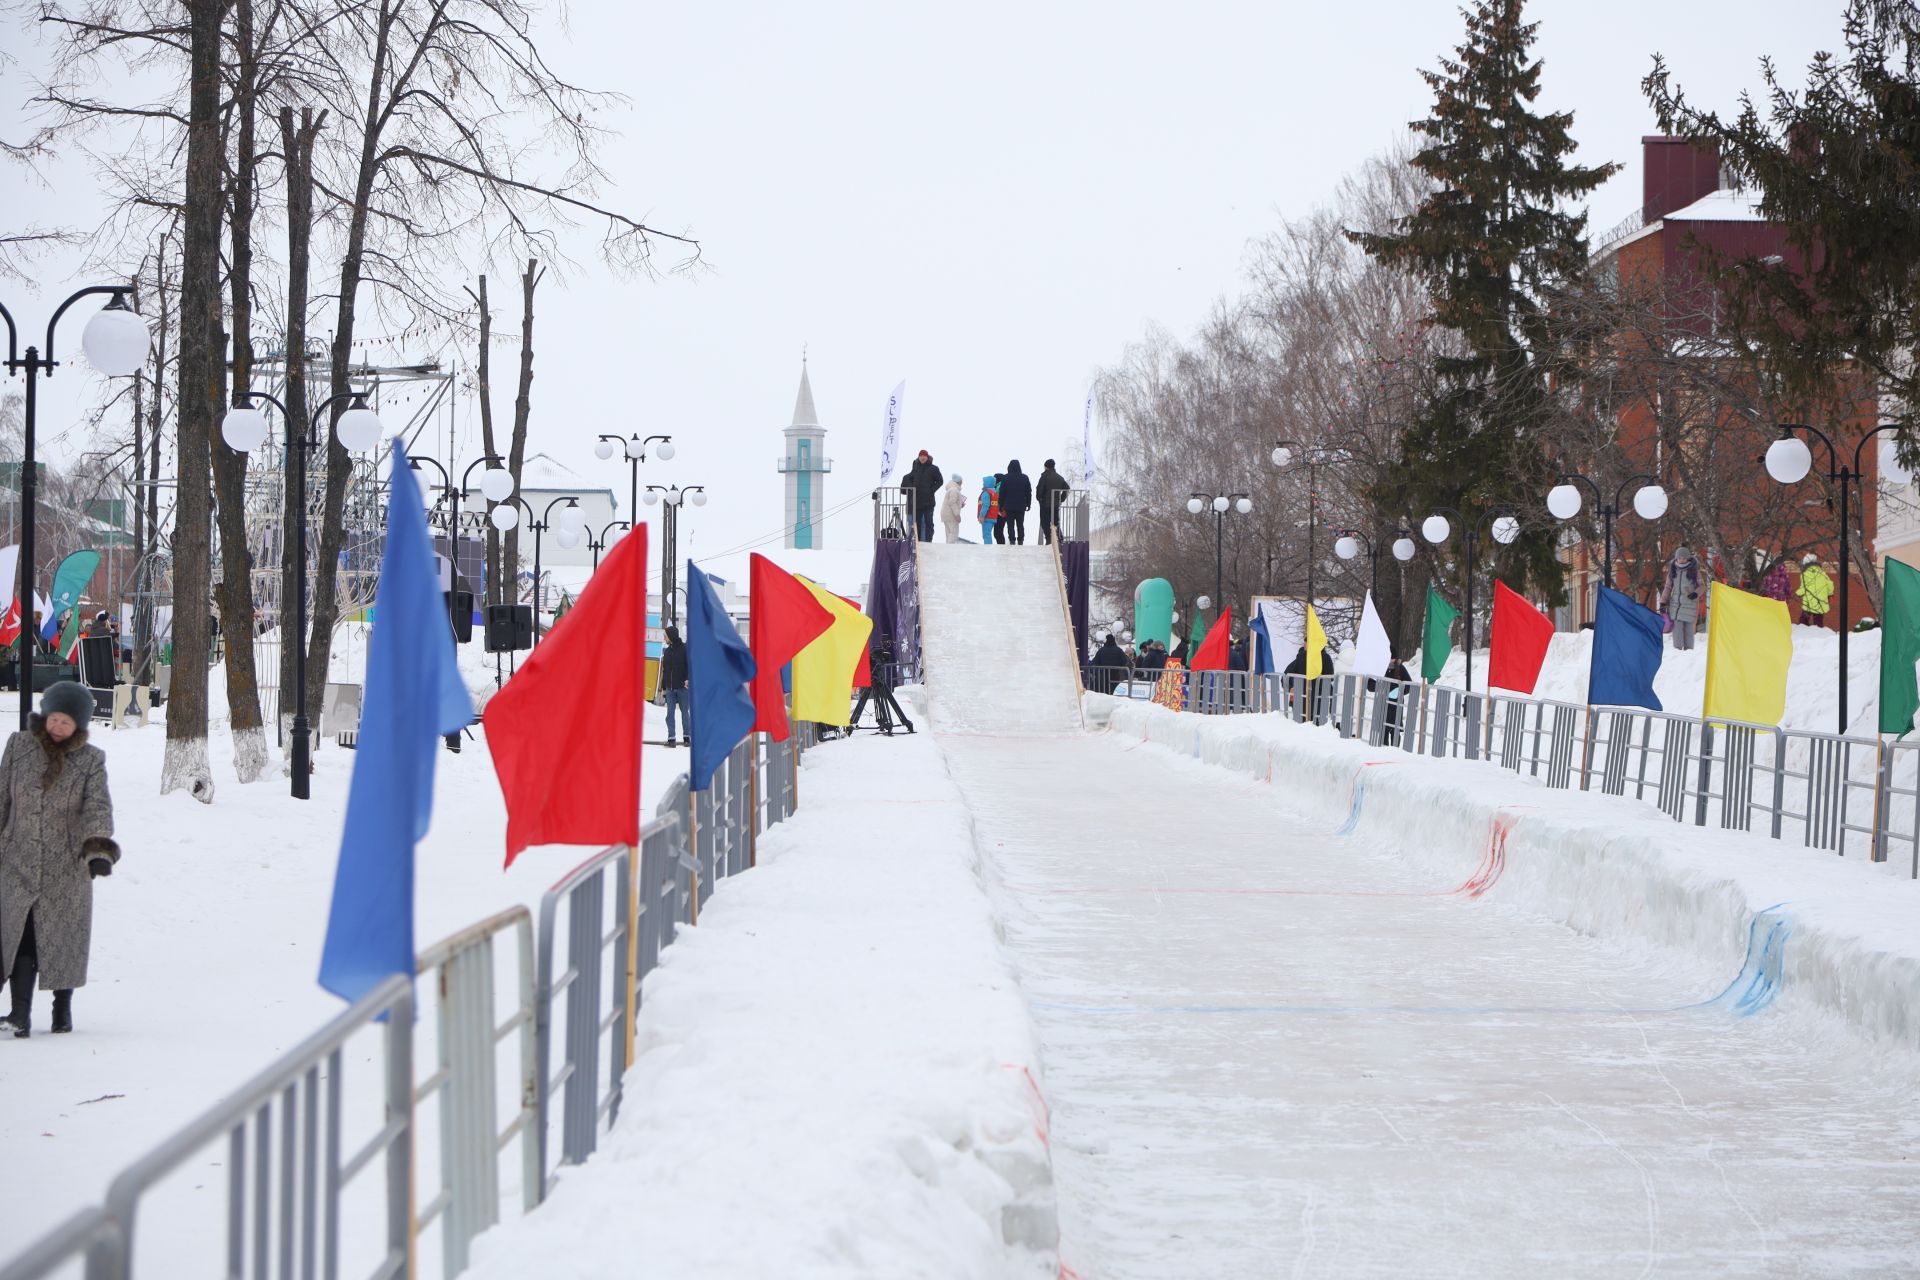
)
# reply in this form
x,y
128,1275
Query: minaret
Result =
x,y
805,465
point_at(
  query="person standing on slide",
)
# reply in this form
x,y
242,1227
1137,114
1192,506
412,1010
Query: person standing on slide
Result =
x,y
990,528
952,504
1016,495
1051,492
924,479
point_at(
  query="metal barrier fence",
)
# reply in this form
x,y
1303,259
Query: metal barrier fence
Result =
x,y
576,986
1822,790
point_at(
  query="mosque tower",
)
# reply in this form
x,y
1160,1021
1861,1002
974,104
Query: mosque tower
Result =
x,y
805,465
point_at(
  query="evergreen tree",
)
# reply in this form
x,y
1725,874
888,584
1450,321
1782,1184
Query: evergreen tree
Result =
x,y
1837,164
1490,243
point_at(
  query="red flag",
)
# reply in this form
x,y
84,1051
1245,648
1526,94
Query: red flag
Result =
x,y
1520,637
862,674
784,618
10,624
1212,653
565,731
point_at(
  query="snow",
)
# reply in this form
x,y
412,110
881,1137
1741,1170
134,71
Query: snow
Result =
x,y
1458,1025
1725,205
993,627
835,1072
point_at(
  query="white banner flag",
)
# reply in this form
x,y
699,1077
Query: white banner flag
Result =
x,y
1286,623
1372,650
1086,442
890,436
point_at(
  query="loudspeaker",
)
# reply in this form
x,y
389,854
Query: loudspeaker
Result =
x,y
509,627
460,612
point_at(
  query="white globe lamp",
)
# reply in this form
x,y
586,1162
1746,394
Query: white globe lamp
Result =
x,y
1282,456
115,340
665,451
244,429
1789,460
1563,501
1195,506
568,538
570,519
497,484
1435,529
1203,603
1505,530
505,518
1650,502
1346,548
358,430
1403,549
1220,504
635,449
603,450
1244,506
650,497
699,497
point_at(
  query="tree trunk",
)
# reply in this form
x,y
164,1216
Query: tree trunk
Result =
x,y
185,766
495,593
297,148
230,465
522,409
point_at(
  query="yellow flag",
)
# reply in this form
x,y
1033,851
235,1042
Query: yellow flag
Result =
x,y
823,672
1749,644
1316,646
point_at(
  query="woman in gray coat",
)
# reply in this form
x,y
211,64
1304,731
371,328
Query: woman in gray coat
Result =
x,y
56,836
1681,598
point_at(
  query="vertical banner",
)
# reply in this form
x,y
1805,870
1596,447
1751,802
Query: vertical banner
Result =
x,y
890,436
1086,442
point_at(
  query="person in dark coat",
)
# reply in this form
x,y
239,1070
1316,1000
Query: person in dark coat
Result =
x,y
924,481
673,684
1153,656
56,837
1016,495
1051,491
1109,665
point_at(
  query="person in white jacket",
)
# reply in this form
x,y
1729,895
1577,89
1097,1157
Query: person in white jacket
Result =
x,y
952,504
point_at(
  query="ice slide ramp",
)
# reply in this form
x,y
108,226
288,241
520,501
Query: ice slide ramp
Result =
x,y
996,640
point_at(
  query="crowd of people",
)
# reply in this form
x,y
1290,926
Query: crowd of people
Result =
x,y
1001,507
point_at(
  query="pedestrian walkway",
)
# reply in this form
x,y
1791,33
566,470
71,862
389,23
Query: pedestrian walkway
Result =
x,y
1271,1050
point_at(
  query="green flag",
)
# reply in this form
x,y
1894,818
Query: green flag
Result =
x,y
1899,647
1436,638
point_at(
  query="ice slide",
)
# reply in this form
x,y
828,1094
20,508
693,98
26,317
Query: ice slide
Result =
x,y
996,641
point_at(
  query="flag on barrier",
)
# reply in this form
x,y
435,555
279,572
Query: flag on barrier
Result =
x,y
1436,635
565,785
1372,650
719,670
1317,664
413,697
784,618
1521,634
1749,645
1899,647
1212,653
823,671
1626,653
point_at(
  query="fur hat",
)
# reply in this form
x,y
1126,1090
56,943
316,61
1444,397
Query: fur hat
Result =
x,y
69,698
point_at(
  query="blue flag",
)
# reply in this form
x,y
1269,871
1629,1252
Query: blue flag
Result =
x,y
1626,653
413,698
1263,644
719,668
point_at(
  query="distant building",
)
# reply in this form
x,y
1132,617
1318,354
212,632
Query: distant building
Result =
x,y
805,465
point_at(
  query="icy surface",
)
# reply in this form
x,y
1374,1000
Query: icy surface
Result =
x,y
834,1072
1272,1048
999,654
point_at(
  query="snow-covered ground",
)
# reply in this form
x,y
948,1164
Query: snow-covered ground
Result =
x,y
835,1071
1308,1015
206,943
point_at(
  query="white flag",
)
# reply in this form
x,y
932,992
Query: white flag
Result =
x,y
1086,442
1372,650
1286,622
890,436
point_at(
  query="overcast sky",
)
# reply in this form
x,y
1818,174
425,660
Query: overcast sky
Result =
x,y
988,201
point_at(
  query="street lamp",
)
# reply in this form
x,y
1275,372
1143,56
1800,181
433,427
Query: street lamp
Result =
x,y
1219,504
1348,543
1283,452
1788,461
1500,522
1564,501
569,535
671,498
496,484
244,428
635,450
599,544
115,341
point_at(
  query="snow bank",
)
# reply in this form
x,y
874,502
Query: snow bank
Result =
x,y
1603,865
835,1070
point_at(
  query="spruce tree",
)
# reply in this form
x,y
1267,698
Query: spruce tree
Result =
x,y
1490,244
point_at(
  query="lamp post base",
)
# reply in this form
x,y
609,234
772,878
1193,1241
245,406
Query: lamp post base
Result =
x,y
302,761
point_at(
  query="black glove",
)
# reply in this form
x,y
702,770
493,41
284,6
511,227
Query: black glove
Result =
x,y
97,867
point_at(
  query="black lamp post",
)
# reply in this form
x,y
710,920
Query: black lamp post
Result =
x,y
539,525
1348,543
599,543
670,498
1788,460
1564,502
116,342
1283,451
636,450
245,429
1199,502
1504,526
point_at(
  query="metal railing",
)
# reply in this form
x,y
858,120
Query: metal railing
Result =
x,y
1826,791
893,515
576,986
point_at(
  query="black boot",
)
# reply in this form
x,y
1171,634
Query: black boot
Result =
x,y
63,1011
20,1021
